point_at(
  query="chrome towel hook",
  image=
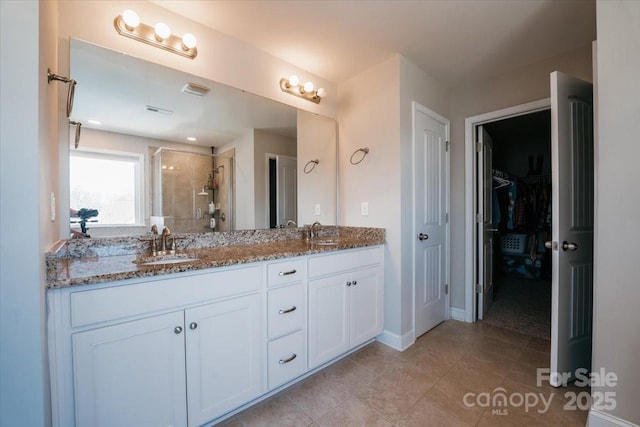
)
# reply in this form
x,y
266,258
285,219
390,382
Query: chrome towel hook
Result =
x,y
78,125
364,150
311,163
72,88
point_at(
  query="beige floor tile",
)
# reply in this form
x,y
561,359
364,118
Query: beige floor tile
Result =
x,y
534,358
444,345
316,395
539,344
231,422
429,361
351,413
472,377
454,406
492,345
279,410
426,413
349,375
508,336
376,357
392,394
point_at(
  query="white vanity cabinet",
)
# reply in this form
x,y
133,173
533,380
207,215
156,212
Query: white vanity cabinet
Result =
x,y
181,351
345,302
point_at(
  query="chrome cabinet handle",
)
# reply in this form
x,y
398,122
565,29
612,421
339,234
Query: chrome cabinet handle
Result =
x,y
288,359
569,246
348,283
355,282
286,273
422,236
193,325
177,329
287,310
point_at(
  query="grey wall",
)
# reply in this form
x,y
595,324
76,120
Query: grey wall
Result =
x,y
28,171
616,339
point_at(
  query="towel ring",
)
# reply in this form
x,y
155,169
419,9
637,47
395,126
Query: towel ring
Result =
x,y
364,150
71,92
313,164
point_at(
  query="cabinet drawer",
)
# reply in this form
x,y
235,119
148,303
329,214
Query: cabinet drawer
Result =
x,y
119,302
286,309
287,358
279,273
322,265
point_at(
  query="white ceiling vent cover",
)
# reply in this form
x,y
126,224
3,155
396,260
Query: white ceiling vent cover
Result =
x,y
195,89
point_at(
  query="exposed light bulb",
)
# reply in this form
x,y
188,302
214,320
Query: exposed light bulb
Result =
x,y
322,92
131,19
189,40
308,87
162,30
294,80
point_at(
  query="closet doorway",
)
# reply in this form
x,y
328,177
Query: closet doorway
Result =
x,y
514,197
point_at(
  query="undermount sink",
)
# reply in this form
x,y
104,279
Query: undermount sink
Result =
x,y
329,241
165,259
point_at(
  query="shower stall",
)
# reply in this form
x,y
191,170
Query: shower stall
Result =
x,y
191,192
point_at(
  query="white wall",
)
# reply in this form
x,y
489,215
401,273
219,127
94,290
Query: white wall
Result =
x,y
616,339
267,142
243,180
527,84
28,171
375,112
317,139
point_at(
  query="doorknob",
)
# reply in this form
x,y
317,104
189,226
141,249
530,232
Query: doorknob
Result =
x,y
422,236
550,244
569,246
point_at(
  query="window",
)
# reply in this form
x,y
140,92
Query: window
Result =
x,y
109,182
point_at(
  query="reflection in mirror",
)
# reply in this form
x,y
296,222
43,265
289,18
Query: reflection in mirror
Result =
x,y
162,140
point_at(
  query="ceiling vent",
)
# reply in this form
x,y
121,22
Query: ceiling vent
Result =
x,y
158,110
195,89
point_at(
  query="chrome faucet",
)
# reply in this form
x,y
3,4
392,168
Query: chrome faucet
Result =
x,y
312,230
165,233
291,223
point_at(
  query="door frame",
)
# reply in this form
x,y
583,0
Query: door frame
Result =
x,y
469,313
415,106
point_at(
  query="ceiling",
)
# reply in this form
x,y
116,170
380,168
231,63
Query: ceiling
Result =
x,y
455,41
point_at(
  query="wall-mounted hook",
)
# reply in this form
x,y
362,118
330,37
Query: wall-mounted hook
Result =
x,y
364,150
311,163
72,88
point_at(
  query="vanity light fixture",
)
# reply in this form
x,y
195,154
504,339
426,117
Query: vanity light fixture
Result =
x,y
128,24
292,86
191,138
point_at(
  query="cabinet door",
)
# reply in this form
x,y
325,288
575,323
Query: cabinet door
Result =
x,y
224,357
365,305
328,318
131,374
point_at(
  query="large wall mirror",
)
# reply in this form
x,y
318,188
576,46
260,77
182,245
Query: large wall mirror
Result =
x,y
159,146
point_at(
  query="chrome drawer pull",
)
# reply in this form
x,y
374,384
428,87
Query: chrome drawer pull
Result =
x,y
286,273
287,310
288,359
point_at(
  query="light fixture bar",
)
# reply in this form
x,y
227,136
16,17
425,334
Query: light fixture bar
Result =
x,y
298,90
147,34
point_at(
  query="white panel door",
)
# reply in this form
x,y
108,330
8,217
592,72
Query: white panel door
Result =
x,y
328,318
287,189
365,301
485,226
572,224
131,374
224,357
431,198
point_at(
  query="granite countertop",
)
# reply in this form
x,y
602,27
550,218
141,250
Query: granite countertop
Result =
x,y
76,263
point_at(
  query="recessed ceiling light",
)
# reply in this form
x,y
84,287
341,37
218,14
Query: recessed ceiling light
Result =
x,y
190,138
94,122
195,89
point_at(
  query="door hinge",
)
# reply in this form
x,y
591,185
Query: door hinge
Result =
x,y
479,218
446,146
446,289
478,288
478,147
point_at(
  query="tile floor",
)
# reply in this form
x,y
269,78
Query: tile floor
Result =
x,y
425,385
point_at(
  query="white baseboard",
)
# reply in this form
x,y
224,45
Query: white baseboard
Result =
x,y
396,341
458,314
602,419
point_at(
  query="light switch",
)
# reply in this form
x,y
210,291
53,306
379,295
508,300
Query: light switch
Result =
x,y
317,210
364,208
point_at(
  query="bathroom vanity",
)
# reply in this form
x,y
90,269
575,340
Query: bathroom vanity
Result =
x,y
192,341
